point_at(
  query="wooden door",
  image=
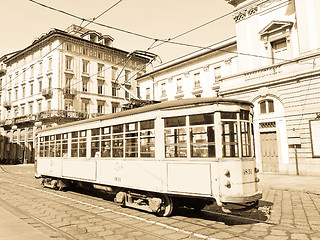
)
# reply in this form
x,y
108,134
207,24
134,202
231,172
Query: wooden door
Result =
x,y
269,152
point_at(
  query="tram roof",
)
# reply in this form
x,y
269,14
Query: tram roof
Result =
x,y
157,106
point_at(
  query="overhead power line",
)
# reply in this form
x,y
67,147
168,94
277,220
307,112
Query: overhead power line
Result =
x,y
89,22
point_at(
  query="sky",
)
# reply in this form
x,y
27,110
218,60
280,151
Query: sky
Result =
x,y
22,21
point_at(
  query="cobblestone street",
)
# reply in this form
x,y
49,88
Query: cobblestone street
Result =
x,y
282,214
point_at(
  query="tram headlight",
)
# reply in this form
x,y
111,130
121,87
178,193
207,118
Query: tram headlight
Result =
x,y
227,184
226,173
256,170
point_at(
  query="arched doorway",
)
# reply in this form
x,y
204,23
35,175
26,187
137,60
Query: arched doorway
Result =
x,y
270,134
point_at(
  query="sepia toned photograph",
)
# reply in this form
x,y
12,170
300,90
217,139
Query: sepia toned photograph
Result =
x,y
143,120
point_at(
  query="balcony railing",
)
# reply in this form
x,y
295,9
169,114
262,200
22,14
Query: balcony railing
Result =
x,y
47,93
61,114
25,118
69,92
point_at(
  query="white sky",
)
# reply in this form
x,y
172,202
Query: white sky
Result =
x,y
22,21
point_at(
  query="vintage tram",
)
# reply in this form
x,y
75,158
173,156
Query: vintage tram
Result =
x,y
188,152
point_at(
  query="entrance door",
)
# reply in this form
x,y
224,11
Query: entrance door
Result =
x,y
269,152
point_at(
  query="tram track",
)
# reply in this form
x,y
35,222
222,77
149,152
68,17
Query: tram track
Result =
x,y
98,203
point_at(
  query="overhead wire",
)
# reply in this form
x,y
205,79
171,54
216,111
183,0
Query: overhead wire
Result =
x,y
169,40
83,20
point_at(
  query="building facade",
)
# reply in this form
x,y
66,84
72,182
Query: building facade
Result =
x,y
62,76
274,62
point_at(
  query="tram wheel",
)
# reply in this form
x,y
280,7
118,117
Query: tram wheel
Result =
x,y
166,207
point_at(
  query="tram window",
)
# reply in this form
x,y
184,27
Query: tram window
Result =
x,y
244,115
74,144
46,146
106,142
58,145
229,139
175,121
148,124
200,119
117,141
131,139
83,144
175,137
245,139
64,145
147,143
228,115
202,136
95,142
51,146
41,150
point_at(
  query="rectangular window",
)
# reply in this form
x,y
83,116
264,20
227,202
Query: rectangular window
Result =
x,y
52,143
127,74
100,107
85,85
114,73
163,90
100,87
79,144
50,64
202,135
69,63
31,71
114,90
245,139
147,142
40,68
175,134
31,89
100,70
23,91
148,93
40,85
279,50
30,107
197,83
85,66
229,139
95,142
131,140
217,73
106,142
58,145
117,141
179,85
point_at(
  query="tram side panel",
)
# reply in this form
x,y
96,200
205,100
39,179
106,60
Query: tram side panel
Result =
x,y
136,174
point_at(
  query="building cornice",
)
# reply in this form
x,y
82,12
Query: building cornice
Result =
x,y
56,33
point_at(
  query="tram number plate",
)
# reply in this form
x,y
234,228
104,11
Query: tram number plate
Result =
x,y
247,171
117,179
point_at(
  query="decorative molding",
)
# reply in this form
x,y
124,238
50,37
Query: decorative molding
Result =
x,y
206,68
187,74
245,13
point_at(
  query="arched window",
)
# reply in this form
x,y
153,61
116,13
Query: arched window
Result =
x,y
266,106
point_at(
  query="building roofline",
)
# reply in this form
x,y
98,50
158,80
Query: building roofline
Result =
x,y
58,32
193,55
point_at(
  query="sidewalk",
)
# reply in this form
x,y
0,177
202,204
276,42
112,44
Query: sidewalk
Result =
x,y
307,184
13,228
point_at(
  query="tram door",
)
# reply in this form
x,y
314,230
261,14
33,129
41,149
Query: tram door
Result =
x,y
269,152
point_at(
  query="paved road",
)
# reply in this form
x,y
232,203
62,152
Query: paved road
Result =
x,y
282,214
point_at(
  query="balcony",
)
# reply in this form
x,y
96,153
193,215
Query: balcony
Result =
x,y
7,105
25,118
69,93
47,93
61,115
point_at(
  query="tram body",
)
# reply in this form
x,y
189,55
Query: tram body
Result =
x,y
187,152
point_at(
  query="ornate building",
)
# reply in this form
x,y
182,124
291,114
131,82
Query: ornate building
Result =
x,y
62,76
274,62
